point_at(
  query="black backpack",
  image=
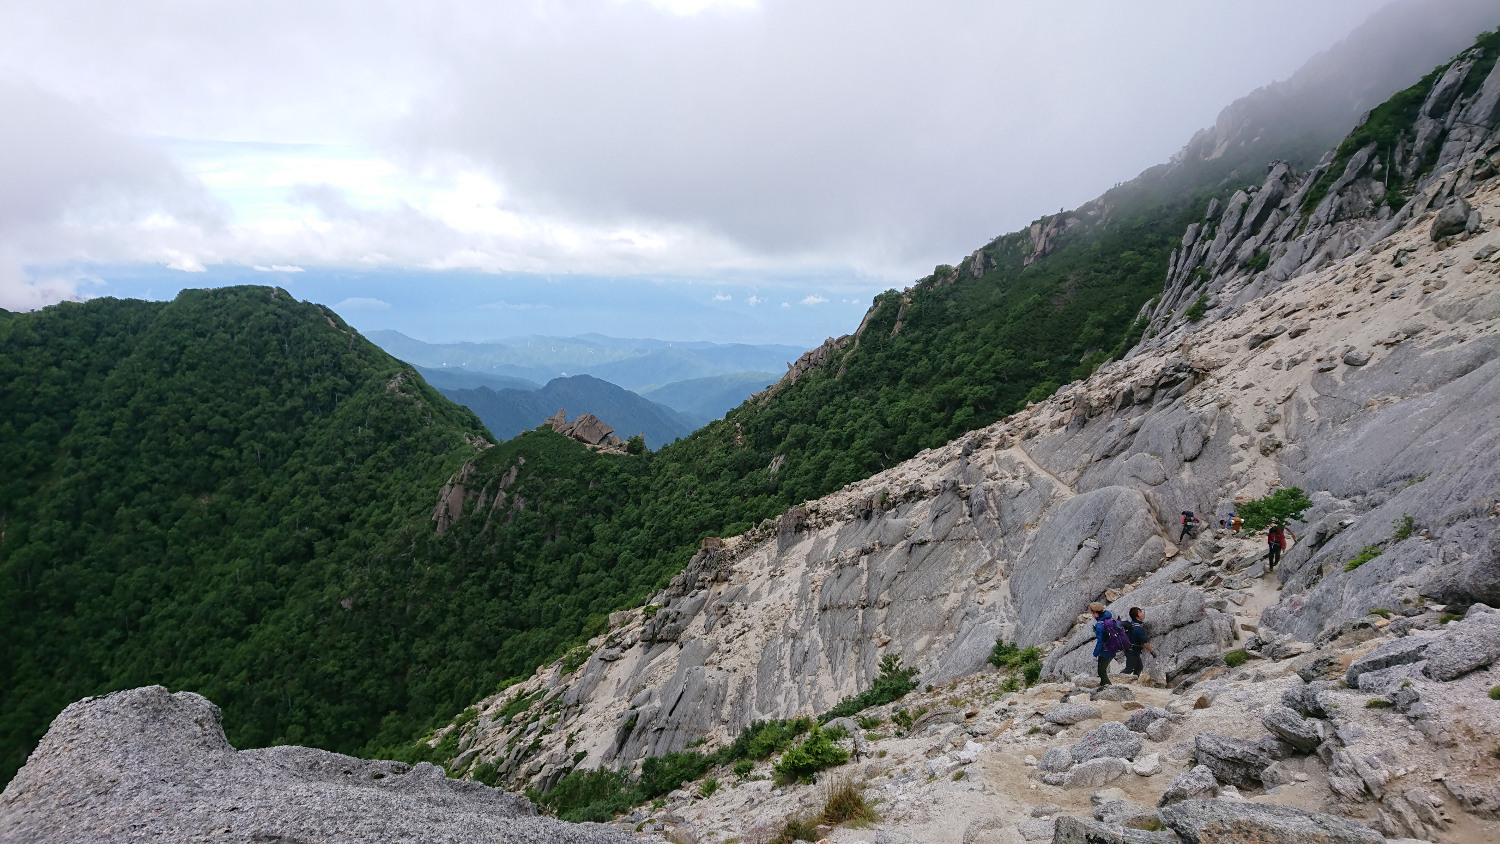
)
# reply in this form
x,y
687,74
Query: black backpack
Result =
x,y
1137,634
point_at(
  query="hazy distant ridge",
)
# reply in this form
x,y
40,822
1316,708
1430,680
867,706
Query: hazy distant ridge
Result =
x,y
634,364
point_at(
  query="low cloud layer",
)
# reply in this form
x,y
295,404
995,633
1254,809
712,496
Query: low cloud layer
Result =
x,y
688,138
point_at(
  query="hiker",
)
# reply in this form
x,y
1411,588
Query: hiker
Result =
x,y
1275,542
1135,629
1189,521
1109,639
1235,523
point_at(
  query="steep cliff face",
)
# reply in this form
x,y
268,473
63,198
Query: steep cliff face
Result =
x,y
1425,149
1376,394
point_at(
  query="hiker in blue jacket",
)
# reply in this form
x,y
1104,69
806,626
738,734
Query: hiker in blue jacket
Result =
x,y
1108,636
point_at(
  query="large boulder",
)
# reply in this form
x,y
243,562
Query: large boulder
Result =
x,y
1302,733
1464,646
1126,813
1096,772
1210,821
1399,652
1453,219
149,765
1141,718
1056,761
1195,784
1110,739
1072,713
1071,830
1234,761
1304,699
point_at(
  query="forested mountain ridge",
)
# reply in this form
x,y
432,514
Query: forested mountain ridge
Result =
x,y
197,493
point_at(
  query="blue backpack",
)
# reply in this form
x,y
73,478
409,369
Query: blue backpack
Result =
x,y
1115,638
1137,634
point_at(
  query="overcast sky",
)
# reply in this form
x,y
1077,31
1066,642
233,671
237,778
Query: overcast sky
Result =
x,y
810,153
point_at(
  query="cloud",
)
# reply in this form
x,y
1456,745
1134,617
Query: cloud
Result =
x,y
722,297
74,190
502,305
814,300
786,304
625,137
754,300
278,268
361,303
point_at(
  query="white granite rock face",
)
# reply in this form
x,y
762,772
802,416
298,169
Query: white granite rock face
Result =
x,y
148,765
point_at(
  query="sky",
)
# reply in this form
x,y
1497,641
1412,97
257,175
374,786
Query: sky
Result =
x,y
734,170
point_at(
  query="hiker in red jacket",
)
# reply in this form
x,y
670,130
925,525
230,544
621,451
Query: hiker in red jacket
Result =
x,y
1275,542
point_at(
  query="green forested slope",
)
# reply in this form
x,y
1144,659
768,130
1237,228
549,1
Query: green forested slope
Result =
x,y
190,489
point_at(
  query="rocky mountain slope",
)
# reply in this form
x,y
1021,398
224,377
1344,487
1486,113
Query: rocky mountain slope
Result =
x,y
1364,372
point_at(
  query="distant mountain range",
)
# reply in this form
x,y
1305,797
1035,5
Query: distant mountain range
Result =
x,y
711,398
635,364
458,378
508,412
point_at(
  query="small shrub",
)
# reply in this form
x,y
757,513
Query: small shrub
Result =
x,y
763,738
1011,684
1495,693
797,828
815,753
1278,508
590,795
743,768
1378,703
1382,612
1033,731
845,804
903,718
1032,671
838,733
1006,655
894,681
869,722
1259,262
575,658
1449,616
1196,310
874,736
709,786
661,774
487,773
1236,658
1404,527
1366,554
650,610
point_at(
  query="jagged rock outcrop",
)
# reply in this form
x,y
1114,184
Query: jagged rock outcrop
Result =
x,y
1257,241
587,429
148,765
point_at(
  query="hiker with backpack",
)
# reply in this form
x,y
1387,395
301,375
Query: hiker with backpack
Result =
x,y
1189,521
1135,630
1275,543
1109,639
